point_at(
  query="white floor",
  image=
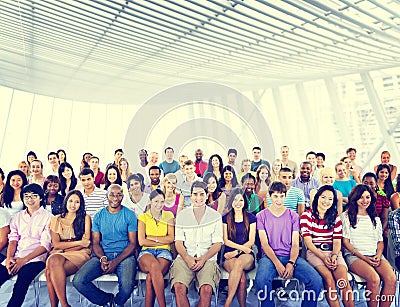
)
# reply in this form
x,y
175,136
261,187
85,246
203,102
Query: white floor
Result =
x,y
136,300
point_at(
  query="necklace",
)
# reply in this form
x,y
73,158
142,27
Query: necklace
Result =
x,y
134,199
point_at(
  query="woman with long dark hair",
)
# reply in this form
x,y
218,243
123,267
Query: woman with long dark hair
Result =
x,y
67,178
216,199
362,239
228,180
239,230
112,176
12,201
215,165
155,234
384,183
70,236
62,156
321,228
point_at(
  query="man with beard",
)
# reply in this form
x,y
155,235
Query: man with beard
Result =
x,y
201,166
114,242
255,203
154,174
305,183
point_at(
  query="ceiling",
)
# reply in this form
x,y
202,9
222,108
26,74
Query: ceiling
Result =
x,y
126,51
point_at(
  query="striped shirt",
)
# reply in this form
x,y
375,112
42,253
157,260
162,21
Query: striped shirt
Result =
x,y
364,237
319,233
394,229
294,197
95,201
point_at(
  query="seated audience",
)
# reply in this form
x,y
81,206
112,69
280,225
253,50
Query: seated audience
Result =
x,y
363,242
321,229
278,228
114,243
28,246
239,231
155,234
70,237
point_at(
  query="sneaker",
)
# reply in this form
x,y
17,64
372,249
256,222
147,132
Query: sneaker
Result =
x,y
111,302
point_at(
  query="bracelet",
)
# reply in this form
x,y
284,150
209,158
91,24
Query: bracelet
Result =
x,y
101,258
353,250
156,240
337,255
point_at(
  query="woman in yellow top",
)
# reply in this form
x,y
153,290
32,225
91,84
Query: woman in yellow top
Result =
x,y
155,233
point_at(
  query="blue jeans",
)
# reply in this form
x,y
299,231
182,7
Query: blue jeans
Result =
x,y
304,272
125,271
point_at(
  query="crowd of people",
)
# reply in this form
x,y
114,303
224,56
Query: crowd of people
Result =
x,y
192,217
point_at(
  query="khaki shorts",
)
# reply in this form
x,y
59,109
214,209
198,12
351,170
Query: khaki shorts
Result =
x,y
314,260
209,274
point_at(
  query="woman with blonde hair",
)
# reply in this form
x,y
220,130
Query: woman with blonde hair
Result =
x,y
245,168
23,166
37,173
385,159
276,167
124,169
327,177
173,200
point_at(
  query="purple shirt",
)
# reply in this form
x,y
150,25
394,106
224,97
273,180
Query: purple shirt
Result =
x,y
279,229
30,232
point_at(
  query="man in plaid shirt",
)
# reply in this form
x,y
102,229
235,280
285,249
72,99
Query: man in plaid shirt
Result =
x,y
394,230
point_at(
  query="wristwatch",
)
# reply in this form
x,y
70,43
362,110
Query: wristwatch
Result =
x,y
292,263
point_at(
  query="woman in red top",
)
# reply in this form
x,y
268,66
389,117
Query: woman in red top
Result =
x,y
321,228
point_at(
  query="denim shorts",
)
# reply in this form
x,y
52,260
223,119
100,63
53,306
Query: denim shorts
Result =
x,y
157,253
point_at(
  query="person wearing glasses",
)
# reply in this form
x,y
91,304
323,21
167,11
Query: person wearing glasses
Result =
x,y
114,242
29,243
